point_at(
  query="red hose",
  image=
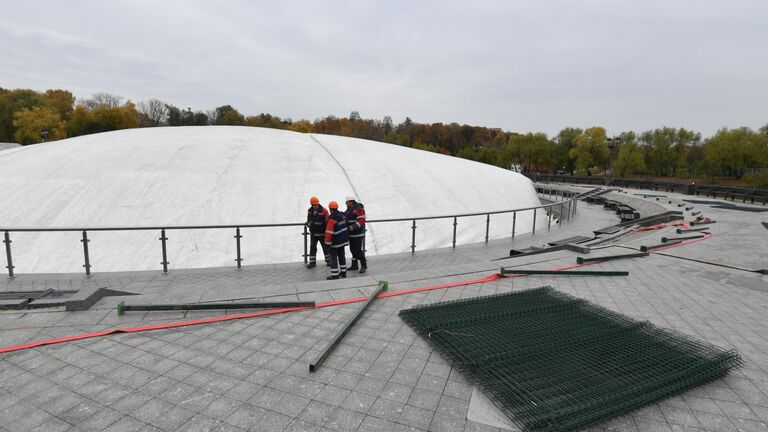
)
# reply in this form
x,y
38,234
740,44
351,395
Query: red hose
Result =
x,y
489,278
12,348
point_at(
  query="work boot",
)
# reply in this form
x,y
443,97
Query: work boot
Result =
x,y
363,269
343,275
312,265
332,277
353,266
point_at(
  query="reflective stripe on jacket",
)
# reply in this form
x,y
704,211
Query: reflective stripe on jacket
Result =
x,y
336,231
356,219
317,220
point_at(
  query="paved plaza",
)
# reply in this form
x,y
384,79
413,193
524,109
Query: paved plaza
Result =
x,y
252,373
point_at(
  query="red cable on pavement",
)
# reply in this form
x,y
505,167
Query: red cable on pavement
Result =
x,y
489,278
146,328
35,344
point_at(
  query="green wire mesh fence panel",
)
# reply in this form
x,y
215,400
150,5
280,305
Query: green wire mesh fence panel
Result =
x,y
553,362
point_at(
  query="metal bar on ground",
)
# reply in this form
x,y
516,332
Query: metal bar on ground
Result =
x,y
34,297
533,231
383,285
703,222
506,271
582,260
669,239
683,231
656,246
413,237
306,254
122,307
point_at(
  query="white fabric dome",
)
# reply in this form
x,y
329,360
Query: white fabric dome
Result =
x,y
236,175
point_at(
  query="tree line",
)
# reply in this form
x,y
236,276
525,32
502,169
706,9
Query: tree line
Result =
x,y
28,117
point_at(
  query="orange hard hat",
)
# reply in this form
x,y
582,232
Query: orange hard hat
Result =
x,y
333,205
314,201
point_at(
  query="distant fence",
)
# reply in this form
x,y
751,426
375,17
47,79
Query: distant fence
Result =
x,y
564,204
754,195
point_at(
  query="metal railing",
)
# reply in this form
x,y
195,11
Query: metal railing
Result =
x,y
565,202
756,194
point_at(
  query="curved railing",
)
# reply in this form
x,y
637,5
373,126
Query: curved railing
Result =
x,y
754,194
564,202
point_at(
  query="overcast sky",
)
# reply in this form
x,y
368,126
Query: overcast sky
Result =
x,y
522,66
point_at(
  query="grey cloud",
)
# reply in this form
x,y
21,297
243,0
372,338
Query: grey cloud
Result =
x,y
517,65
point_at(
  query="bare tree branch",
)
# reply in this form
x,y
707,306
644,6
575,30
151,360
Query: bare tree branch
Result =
x,y
155,112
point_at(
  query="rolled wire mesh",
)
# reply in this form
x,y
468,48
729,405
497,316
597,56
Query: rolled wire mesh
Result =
x,y
553,362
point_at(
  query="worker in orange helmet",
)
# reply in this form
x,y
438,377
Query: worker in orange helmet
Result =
x,y
336,238
355,215
317,219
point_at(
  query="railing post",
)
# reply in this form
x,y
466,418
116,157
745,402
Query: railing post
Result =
x,y
562,216
454,231
86,255
487,226
239,259
413,237
514,222
8,256
533,231
165,262
306,253
549,218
